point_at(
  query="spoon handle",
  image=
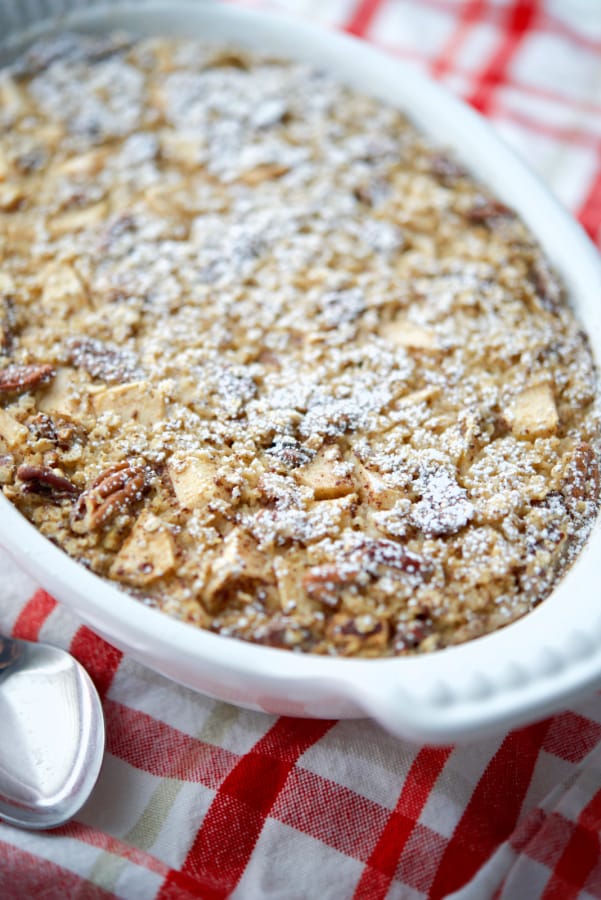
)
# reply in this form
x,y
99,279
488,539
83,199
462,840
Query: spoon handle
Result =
x,y
9,651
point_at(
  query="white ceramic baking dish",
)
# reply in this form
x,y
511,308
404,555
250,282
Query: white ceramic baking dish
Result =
x,y
526,671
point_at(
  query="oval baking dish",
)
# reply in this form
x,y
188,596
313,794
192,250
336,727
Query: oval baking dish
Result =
x,y
526,670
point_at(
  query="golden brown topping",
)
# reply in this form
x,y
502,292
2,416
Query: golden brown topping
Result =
x,y
366,400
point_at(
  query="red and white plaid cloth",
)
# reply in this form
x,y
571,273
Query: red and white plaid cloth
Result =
x,y
200,799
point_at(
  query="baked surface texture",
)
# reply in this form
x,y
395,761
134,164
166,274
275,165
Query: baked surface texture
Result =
x,y
274,363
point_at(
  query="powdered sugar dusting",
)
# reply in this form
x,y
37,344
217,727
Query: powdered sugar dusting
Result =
x,y
325,387
443,508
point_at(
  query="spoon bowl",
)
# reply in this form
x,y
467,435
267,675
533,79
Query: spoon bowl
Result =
x,y
51,735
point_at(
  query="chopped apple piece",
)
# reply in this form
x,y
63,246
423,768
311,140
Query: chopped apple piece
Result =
x,y
533,413
137,401
420,396
158,197
63,395
62,289
182,149
148,553
330,516
89,163
378,494
194,482
327,478
7,283
240,561
406,334
77,219
11,432
10,197
288,574
263,172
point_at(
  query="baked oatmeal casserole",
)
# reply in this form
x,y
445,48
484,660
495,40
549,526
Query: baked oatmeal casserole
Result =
x,y
273,362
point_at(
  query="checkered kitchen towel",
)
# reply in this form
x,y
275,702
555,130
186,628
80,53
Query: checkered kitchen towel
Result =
x,y
200,799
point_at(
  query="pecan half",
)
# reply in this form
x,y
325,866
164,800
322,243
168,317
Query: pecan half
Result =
x,y
104,361
46,482
367,561
114,491
17,379
488,213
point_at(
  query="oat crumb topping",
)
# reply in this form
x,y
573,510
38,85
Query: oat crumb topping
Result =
x,y
273,362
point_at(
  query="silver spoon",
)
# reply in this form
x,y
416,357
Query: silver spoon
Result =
x,y
51,734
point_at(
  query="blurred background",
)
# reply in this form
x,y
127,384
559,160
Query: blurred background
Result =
x,y
531,66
